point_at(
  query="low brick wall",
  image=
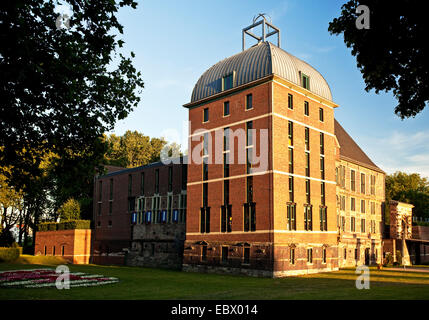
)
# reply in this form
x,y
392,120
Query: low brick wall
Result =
x,y
72,245
420,232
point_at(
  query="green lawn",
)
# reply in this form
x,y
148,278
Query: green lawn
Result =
x,y
144,283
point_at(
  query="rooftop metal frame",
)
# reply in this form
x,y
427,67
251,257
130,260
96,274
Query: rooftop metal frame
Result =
x,y
265,30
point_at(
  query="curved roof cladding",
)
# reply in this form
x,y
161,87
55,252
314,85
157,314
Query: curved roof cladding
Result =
x,y
257,62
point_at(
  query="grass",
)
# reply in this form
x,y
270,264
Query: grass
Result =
x,y
150,284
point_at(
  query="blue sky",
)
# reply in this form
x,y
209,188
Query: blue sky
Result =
x,y
176,41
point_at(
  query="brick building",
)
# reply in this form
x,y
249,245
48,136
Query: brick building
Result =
x,y
129,206
280,218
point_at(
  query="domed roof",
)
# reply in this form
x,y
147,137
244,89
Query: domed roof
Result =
x,y
255,63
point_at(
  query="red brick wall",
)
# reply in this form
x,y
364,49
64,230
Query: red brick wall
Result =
x,y
76,244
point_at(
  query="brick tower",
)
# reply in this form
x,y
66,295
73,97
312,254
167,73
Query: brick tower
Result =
x,y
261,165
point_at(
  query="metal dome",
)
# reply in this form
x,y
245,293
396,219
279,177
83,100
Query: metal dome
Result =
x,y
259,61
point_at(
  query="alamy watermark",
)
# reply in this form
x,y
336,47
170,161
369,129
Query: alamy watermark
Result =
x,y
63,279
362,21
362,281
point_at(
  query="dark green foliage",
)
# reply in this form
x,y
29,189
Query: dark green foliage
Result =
x,y
10,254
393,54
61,89
64,225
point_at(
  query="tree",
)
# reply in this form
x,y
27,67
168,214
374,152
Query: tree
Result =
x,y
70,210
61,88
392,53
133,149
409,188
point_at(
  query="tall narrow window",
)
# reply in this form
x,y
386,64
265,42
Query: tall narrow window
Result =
x,y
310,255
305,81
246,255
184,176
292,255
362,183
205,212
322,167
362,225
249,217
156,180
291,187
205,194
307,164
323,255
307,139
291,217
322,193
372,185
322,143
249,133
205,144
205,169
290,132
306,108
204,253
290,101
226,108
362,206
290,160
352,204
323,219
352,180
170,179
321,114
249,101
352,224
307,191
227,81
226,139
372,207
226,164
224,254
308,218
206,114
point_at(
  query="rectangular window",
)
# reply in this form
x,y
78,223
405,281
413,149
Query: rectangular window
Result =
x,y
310,255
170,179
362,183
343,176
226,218
323,255
290,160
307,191
290,101
305,81
291,217
306,108
323,219
322,143
362,206
307,164
249,217
352,180
226,108
53,251
205,194
249,133
352,224
343,224
362,225
249,157
62,250
130,184
292,256
226,164
249,102
307,138
322,167
321,114
156,180
249,186
290,132
291,188
226,139
308,218
227,81
205,220
372,207
372,185
205,169
322,193
206,114
352,204
206,144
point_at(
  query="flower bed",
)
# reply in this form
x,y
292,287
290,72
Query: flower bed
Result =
x,y
42,278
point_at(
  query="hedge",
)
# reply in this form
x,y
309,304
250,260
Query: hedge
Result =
x,y
10,254
64,225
